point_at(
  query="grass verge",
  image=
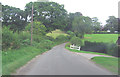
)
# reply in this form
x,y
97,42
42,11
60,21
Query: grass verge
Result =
x,y
109,63
86,52
14,59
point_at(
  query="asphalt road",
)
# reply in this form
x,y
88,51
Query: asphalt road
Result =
x,y
59,61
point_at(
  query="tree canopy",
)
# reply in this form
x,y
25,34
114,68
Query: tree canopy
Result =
x,y
53,15
14,17
112,24
82,25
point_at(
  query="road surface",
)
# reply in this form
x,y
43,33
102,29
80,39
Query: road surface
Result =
x,y
60,61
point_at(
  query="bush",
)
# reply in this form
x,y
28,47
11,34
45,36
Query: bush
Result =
x,y
71,34
38,28
76,41
112,49
68,44
10,40
94,47
107,48
61,38
26,42
24,35
24,38
45,44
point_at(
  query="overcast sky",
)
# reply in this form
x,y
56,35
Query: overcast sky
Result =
x,y
92,8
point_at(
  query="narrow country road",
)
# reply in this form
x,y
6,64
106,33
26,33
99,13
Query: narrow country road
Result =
x,y
59,61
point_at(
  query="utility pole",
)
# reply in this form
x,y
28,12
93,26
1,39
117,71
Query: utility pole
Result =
x,y
32,26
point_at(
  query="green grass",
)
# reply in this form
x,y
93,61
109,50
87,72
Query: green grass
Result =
x,y
86,52
56,33
107,38
109,63
14,59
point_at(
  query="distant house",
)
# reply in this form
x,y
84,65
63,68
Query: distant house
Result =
x,y
118,41
108,30
115,31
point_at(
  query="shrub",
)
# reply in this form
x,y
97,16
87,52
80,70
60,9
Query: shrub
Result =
x,y
24,35
45,44
71,34
37,38
38,28
107,48
50,38
94,47
61,38
10,40
112,49
24,38
68,44
76,41
26,42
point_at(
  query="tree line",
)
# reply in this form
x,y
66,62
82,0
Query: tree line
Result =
x,y
54,16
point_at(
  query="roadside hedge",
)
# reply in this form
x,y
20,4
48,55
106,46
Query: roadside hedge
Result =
x,y
107,48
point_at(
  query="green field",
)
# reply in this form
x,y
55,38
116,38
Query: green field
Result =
x,y
107,62
56,33
107,38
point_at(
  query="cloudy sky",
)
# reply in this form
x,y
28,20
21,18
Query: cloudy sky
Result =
x,y
92,8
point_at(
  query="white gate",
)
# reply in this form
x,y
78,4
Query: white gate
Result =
x,y
75,47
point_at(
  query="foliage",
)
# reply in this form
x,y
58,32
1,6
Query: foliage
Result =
x,y
70,18
56,33
14,17
71,34
38,28
107,48
61,38
10,39
14,59
96,24
68,44
82,25
53,15
112,24
76,41
45,44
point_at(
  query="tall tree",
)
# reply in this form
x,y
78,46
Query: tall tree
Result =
x,y
82,25
70,18
112,24
51,14
96,24
14,17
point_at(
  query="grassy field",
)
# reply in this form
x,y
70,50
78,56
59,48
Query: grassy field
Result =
x,y
13,59
107,62
107,38
56,33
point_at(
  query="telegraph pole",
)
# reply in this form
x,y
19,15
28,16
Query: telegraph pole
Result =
x,y
32,26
